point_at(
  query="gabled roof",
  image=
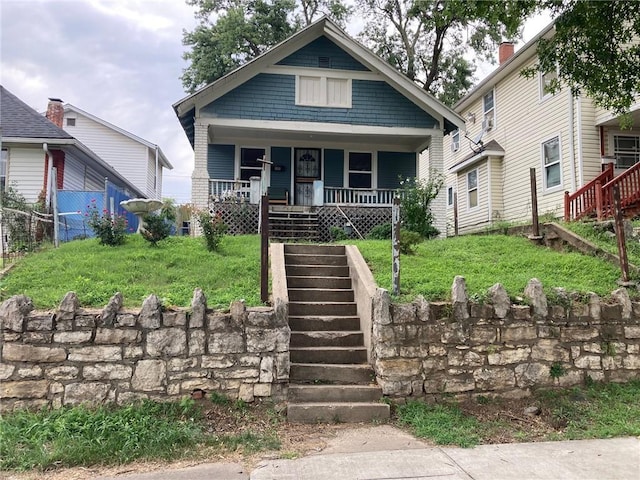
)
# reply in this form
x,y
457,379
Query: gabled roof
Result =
x,y
185,108
491,149
72,108
19,120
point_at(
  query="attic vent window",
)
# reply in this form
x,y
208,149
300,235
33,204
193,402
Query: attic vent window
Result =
x,y
323,91
71,122
324,62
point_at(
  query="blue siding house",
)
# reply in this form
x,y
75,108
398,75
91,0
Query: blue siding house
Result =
x,y
326,114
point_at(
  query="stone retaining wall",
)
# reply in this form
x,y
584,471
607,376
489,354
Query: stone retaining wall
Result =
x,y
70,356
423,349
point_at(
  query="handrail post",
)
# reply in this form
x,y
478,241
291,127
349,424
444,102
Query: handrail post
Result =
x,y
567,203
599,205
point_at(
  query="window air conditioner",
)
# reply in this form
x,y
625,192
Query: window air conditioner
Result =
x,y
487,124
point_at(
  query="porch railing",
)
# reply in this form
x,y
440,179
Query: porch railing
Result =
x,y
376,197
585,201
229,189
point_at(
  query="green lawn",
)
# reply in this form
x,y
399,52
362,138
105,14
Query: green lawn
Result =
x,y
606,242
180,264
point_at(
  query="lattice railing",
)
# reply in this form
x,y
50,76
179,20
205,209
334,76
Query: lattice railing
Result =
x,y
362,218
240,217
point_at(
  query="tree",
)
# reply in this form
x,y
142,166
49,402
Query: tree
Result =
x,y
427,39
232,32
595,49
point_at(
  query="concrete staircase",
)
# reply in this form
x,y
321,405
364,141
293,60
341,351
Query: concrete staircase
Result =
x,y
330,379
293,223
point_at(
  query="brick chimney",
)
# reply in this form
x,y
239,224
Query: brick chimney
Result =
x,y
55,111
505,51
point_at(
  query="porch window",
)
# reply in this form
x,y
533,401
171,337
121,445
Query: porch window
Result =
x,y
360,170
489,111
3,168
249,164
551,163
626,149
472,188
323,91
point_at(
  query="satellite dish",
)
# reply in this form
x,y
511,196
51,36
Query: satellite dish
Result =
x,y
478,146
478,138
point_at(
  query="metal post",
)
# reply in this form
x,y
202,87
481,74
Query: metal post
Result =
x,y
54,204
395,245
264,249
620,237
534,204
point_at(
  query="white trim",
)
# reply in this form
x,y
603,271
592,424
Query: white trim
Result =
x,y
323,72
489,191
543,97
374,167
580,157
477,189
555,188
475,159
318,127
323,99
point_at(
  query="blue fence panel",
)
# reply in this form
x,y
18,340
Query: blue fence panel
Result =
x,y
118,196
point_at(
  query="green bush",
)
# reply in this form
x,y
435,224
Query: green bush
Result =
x,y
415,199
213,229
409,241
381,232
337,234
110,229
155,228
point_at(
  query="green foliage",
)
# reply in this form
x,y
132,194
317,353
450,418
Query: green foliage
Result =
x,y
557,370
484,261
338,234
96,272
17,225
232,32
409,241
443,423
595,50
82,436
427,39
415,199
213,229
110,229
381,232
155,228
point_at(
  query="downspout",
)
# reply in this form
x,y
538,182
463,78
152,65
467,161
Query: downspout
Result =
x,y
580,163
157,177
571,143
49,157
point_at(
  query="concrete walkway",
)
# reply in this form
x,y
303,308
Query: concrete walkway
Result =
x,y
386,453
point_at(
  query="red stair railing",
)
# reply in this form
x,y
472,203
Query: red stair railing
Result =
x,y
629,184
585,201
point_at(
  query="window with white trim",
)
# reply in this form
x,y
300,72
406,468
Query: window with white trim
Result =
x,y
250,166
472,189
319,91
455,141
488,110
551,163
450,196
360,170
4,160
71,122
547,81
626,149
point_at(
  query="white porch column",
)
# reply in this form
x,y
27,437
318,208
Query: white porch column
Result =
x,y
436,166
200,175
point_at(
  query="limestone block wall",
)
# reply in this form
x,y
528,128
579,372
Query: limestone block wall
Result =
x,y
497,348
72,355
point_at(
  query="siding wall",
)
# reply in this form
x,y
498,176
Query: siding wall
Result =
x,y
281,156
333,167
221,161
127,156
272,97
73,174
308,55
392,165
26,171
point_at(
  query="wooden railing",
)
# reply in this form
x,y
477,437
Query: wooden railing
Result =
x,y
586,200
596,197
229,189
376,197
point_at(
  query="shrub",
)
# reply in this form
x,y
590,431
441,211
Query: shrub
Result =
x,y
155,228
415,199
338,234
409,241
213,229
381,232
110,229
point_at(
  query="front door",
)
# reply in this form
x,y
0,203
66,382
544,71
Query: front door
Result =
x,y
307,169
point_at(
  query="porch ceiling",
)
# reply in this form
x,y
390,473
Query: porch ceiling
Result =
x,y
613,121
393,139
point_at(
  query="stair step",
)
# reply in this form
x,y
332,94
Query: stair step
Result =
x,y
315,249
343,374
314,259
322,355
319,282
317,271
327,338
337,412
334,393
323,308
323,322
320,295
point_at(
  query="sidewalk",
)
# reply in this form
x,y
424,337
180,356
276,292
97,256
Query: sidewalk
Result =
x,y
385,453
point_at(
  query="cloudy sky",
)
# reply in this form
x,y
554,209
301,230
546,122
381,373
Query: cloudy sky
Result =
x,y
120,60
